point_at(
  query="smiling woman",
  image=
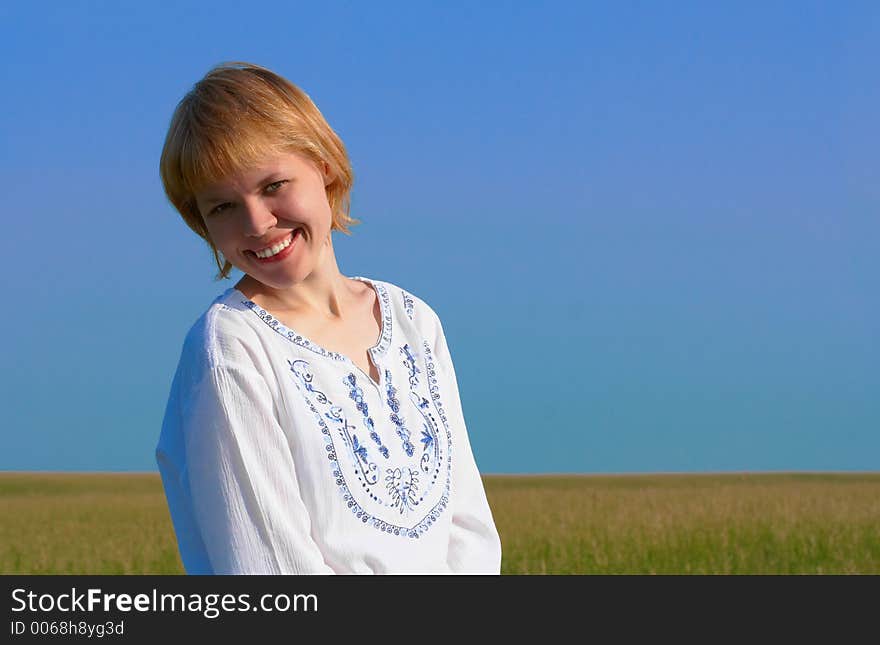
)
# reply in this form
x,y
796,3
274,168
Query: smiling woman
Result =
x,y
234,120
314,423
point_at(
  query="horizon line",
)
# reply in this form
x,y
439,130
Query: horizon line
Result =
x,y
510,474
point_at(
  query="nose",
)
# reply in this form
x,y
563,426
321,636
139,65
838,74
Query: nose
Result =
x,y
259,218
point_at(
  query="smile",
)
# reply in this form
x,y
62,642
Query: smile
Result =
x,y
277,251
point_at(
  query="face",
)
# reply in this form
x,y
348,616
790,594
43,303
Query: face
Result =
x,y
273,221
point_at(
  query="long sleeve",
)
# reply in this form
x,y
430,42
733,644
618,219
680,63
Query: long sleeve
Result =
x,y
474,543
229,475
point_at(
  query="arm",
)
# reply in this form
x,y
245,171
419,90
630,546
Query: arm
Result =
x,y
230,479
474,544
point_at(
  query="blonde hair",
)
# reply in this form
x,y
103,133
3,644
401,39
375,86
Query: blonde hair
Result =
x,y
232,119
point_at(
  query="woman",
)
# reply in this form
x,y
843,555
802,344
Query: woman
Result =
x,y
314,423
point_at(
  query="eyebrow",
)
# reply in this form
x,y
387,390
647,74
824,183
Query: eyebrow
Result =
x,y
268,179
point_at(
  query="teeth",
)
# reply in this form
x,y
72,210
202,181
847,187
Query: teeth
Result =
x,y
274,250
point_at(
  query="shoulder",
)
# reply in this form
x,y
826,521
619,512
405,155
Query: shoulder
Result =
x,y
222,335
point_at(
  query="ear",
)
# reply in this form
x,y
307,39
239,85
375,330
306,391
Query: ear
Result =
x,y
328,174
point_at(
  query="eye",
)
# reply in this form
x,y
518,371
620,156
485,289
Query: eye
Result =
x,y
275,186
219,208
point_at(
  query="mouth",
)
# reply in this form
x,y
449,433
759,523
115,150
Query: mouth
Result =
x,y
278,250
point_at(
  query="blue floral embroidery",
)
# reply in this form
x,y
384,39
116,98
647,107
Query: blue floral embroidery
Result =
x,y
429,437
407,303
403,485
359,450
356,394
403,490
398,421
302,370
337,415
410,364
438,405
434,387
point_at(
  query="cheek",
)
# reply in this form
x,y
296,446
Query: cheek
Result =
x,y
313,210
321,209
217,234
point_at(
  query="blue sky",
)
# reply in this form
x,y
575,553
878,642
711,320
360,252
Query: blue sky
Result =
x,y
650,229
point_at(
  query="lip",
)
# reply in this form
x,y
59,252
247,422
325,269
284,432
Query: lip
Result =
x,y
277,240
297,234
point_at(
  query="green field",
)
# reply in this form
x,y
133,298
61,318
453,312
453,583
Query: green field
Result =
x,y
725,523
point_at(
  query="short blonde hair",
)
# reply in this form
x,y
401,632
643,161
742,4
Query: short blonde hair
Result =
x,y
232,119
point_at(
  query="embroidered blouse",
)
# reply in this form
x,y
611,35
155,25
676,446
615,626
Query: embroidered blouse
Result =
x,y
279,456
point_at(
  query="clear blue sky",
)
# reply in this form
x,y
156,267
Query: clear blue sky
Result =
x,y
650,229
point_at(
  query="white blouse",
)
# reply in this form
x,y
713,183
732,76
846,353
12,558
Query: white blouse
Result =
x,y
279,456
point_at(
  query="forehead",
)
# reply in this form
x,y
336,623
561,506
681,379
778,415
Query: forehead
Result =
x,y
253,176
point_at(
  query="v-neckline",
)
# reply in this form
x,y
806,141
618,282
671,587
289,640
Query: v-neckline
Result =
x,y
292,335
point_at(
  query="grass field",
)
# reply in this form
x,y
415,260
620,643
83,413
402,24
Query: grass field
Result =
x,y
693,524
